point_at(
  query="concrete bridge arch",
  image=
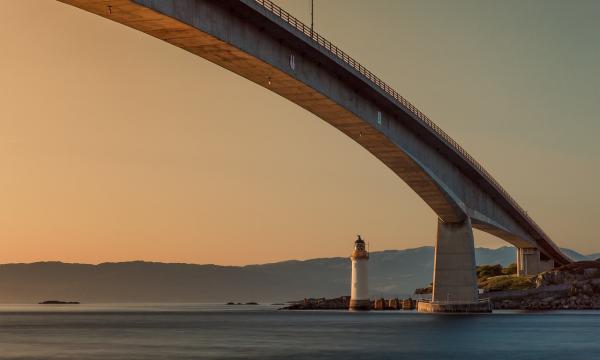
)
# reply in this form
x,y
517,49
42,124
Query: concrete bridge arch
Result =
x,y
263,43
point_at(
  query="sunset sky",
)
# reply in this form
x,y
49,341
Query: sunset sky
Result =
x,y
116,146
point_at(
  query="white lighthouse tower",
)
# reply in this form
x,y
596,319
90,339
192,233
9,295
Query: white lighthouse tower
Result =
x,y
359,294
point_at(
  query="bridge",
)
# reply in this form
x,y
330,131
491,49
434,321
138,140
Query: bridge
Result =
x,y
263,43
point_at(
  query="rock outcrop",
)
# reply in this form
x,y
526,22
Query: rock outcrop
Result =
x,y
340,303
573,286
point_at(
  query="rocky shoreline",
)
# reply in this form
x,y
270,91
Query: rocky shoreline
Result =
x,y
574,286
340,303
343,303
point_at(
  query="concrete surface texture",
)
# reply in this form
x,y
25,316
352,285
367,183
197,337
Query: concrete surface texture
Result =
x,y
454,278
530,261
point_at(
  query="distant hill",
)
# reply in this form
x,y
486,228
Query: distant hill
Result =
x,y
595,256
391,273
577,256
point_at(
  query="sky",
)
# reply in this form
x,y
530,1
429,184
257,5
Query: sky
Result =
x,y
116,146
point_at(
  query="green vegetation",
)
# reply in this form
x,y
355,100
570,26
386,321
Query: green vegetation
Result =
x,y
425,290
510,269
486,271
497,278
506,282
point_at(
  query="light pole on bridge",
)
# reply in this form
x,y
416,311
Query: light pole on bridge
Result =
x,y
312,17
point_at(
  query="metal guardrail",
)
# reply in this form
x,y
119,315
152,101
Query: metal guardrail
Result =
x,y
324,43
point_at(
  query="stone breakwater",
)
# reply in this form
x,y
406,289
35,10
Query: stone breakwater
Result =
x,y
343,303
574,286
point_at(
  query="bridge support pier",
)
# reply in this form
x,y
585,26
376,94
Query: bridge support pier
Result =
x,y
454,276
530,261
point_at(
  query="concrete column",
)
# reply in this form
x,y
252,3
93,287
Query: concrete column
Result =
x,y
454,277
528,261
546,265
531,262
518,261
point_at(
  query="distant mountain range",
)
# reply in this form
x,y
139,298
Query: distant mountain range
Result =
x,y
391,273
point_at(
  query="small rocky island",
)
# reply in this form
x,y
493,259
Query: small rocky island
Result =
x,y
239,303
58,302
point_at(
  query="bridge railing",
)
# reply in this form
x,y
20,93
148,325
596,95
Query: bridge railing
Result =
x,y
320,40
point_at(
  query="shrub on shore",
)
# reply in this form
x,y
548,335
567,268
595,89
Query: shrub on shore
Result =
x,y
506,282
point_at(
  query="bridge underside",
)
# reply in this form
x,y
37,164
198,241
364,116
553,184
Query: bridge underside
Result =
x,y
243,37
252,68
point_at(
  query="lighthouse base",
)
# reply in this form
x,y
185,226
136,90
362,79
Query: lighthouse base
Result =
x,y
360,304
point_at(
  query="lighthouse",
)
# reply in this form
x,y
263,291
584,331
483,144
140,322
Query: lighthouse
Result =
x,y
359,294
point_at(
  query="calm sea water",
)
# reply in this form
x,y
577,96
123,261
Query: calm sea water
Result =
x,y
261,332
